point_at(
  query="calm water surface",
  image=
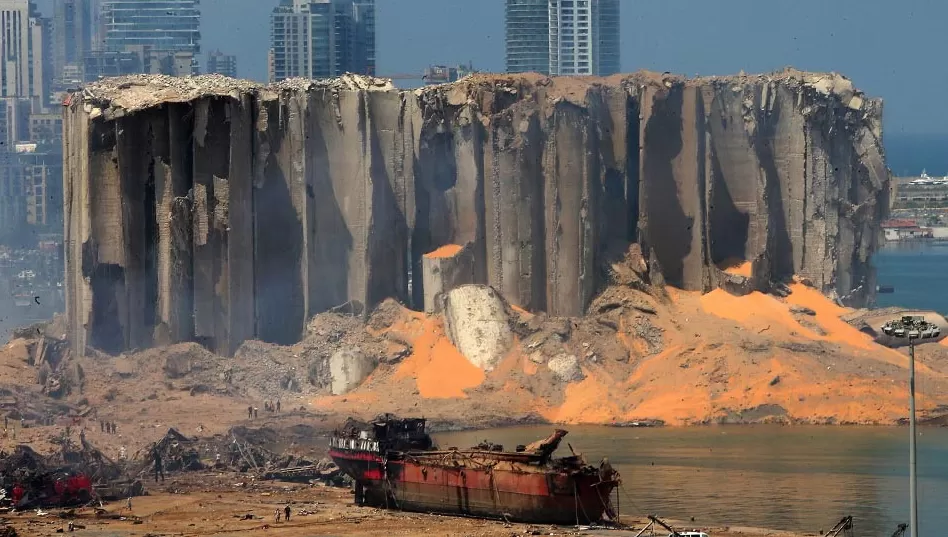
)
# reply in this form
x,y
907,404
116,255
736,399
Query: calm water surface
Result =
x,y
790,478
919,273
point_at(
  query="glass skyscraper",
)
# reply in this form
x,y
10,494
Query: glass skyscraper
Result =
x,y
563,37
158,27
322,38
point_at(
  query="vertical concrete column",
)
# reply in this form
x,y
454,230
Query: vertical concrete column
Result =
x,y
673,182
513,199
173,181
332,240
571,168
104,253
283,203
77,224
239,227
392,192
210,222
134,159
818,172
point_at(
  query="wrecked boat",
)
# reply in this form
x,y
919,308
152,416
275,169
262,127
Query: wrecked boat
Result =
x,y
395,464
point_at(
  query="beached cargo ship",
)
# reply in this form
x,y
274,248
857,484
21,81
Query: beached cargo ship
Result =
x,y
395,465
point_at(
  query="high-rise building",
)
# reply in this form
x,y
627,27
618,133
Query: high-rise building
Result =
x,y
165,30
72,34
24,70
322,38
222,64
108,63
362,53
527,25
563,37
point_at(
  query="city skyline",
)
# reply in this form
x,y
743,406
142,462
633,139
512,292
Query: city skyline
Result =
x,y
677,35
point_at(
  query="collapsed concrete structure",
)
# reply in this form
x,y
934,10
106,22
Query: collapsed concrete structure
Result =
x,y
217,210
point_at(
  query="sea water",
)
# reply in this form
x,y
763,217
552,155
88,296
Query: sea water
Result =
x,y
794,478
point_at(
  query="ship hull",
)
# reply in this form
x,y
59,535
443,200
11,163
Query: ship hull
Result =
x,y
492,488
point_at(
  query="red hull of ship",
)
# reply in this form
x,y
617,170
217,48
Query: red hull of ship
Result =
x,y
424,483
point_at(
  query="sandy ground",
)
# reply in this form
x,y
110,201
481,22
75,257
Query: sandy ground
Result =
x,y
215,504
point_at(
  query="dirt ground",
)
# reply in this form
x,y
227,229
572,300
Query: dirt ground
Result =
x,y
218,504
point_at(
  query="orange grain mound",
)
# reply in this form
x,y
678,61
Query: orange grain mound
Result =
x,y
439,369
944,342
755,310
448,250
828,316
587,401
738,267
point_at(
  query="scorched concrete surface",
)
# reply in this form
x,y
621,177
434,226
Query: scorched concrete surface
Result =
x,y
216,210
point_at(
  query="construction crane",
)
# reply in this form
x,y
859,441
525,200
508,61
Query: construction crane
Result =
x,y
843,527
900,532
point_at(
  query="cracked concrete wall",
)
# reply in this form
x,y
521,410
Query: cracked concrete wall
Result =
x,y
217,210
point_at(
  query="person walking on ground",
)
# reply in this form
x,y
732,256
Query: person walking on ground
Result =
x,y
278,405
276,515
158,468
255,415
249,412
286,511
101,426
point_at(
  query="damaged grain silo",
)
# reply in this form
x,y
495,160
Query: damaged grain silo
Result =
x,y
218,210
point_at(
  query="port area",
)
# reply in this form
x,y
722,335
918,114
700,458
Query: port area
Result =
x,y
209,504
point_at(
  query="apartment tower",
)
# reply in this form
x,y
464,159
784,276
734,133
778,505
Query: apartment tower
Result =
x,y
71,40
165,33
24,73
563,37
322,38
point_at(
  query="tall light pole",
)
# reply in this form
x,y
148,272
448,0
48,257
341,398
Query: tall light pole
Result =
x,y
914,328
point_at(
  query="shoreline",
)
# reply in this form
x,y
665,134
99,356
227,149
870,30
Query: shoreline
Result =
x,y
218,503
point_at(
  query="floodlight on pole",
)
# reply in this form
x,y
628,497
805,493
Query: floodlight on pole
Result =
x,y
916,330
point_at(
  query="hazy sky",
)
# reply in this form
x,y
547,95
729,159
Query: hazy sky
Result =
x,y
890,48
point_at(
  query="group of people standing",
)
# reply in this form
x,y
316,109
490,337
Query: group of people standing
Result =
x,y
269,406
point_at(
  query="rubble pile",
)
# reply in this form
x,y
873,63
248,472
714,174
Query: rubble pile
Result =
x,y
72,475
240,450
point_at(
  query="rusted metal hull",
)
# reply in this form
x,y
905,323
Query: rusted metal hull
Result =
x,y
490,486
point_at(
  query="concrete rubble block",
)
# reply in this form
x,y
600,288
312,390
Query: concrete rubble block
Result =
x,y
475,319
566,368
444,269
348,368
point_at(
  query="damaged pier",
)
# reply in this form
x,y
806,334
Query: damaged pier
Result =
x,y
216,210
